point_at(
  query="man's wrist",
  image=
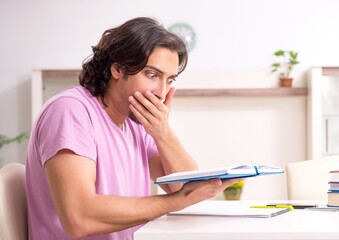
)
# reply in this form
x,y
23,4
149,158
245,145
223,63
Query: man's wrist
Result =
x,y
166,136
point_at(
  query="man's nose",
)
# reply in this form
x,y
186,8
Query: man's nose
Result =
x,y
161,90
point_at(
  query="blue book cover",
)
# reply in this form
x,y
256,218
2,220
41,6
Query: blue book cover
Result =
x,y
241,171
333,191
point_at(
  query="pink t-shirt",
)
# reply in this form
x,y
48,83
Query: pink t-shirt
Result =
x,y
75,120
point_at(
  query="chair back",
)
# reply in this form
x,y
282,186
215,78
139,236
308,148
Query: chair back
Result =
x,y
13,203
308,180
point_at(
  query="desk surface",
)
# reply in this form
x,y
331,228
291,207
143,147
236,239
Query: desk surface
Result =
x,y
294,225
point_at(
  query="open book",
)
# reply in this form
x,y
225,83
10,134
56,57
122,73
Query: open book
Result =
x,y
242,171
224,209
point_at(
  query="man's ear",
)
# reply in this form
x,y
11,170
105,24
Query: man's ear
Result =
x,y
116,71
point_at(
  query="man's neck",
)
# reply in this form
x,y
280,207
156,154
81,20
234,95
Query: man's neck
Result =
x,y
117,118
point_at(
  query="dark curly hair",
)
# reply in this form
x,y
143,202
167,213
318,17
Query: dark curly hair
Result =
x,y
129,46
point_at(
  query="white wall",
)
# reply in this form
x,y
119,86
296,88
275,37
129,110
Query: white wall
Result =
x,y
222,131
231,36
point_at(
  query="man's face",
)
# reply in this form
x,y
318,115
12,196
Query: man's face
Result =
x,y
157,76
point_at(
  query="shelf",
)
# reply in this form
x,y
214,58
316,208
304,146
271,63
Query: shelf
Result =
x,y
241,92
203,92
60,73
330,71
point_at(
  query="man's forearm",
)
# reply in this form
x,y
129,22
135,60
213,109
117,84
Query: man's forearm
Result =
x,y
105,214
174,157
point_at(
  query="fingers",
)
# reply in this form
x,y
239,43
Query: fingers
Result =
x,y
223,183
150,102
137,114
147,103
227,183
169,97
141,108
148,108
197,191
141,103
217,183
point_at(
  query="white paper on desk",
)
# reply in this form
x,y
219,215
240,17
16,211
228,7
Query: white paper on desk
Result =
x,y
222,208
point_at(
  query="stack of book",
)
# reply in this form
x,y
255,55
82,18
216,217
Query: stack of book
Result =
x,y
333,192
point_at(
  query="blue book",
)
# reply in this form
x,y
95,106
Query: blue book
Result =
x,y
333,191
241,171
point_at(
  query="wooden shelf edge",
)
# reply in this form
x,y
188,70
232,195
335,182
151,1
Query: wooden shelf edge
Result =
x,y
61,73
330,71
195,92
242,92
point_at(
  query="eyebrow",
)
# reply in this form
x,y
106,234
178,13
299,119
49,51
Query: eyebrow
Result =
x,y
160,71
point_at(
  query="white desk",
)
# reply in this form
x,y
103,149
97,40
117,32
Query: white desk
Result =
x,y
294,225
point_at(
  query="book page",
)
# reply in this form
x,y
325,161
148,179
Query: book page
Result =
x,y
221,208
243,170
264,168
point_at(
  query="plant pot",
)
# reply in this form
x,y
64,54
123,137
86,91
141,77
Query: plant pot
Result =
x,y
286,82
232,193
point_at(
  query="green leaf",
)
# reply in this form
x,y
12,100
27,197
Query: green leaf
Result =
x,y
293,62
285,67
276,65
6,140
279,53
293,55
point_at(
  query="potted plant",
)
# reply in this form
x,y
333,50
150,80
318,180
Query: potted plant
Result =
x,y
285,67
6,140
234,191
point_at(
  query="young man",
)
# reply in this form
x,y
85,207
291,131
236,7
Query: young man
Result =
x,y
95,147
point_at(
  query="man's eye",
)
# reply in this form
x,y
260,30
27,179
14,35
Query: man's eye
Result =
x,y
171,80
151,74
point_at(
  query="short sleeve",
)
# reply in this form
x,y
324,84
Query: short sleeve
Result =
x,y
65,124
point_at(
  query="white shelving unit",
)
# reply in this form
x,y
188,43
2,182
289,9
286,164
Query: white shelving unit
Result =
x,y
323,112
47,83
